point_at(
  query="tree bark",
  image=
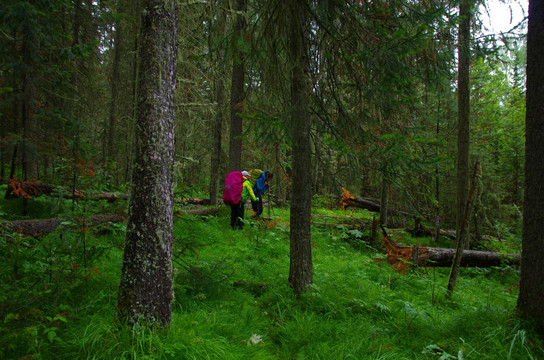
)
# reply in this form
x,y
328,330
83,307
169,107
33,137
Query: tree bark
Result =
x,y
300,269
531,290
145,292
237,96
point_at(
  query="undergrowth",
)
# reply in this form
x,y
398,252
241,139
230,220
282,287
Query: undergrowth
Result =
x,y
58,298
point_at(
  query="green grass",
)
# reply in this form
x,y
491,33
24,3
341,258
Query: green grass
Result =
x,y
231,287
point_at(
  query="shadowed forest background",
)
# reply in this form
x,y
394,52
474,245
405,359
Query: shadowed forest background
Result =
x,y
385,123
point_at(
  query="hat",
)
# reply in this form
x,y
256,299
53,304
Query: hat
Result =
x,y
246,174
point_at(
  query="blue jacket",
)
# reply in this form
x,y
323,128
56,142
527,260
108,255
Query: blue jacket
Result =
x,y
260,187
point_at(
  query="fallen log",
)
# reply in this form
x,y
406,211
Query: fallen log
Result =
x,y
27,189
337,225
425,231
110,197
194,201
401,257
349,200
30,189
39,227
341,219
198,212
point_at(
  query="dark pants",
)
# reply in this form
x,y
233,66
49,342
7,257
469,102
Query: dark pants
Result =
x,y
237,215
257,206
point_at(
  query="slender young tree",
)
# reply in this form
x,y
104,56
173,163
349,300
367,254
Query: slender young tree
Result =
x,y
237,93
456,263
145,292
300,269
463,123
531,289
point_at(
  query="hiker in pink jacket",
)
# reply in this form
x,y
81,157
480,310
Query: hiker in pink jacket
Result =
x,y
237,210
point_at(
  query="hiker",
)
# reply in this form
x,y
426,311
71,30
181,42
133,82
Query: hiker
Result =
x,y
237,210
259,180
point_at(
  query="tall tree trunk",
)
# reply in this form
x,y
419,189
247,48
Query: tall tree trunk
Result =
x,y
217,127
216,142
27,111
300,269
145,291
237,94
437,179
317,169
463,108
3,148
531,290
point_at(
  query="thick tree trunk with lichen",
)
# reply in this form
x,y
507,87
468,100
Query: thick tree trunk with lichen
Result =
x,y
145,293
531,289
300,269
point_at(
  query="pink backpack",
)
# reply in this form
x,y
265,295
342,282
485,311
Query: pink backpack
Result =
x,y
232,192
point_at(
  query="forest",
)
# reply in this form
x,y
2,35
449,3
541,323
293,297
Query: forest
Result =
x,y
403,199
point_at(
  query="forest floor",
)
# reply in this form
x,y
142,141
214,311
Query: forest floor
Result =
x,y
58,296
